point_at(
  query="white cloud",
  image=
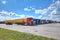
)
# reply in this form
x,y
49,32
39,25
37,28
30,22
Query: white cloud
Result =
x,y
54,5
27,9
51,11
7,13
3,2
51,7
44,17
32,8
22,16
54,11
4,15
57,3
40,17
29,16
2,18
44,11
11,14
16,17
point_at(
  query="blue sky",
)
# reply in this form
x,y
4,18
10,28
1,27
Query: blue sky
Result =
x,y
16,9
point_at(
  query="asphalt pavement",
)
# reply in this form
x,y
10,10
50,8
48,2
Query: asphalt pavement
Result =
x,y
47,30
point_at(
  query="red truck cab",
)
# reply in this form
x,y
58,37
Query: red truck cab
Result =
x,y
29,21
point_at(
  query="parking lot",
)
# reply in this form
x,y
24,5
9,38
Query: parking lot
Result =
x,y
47,30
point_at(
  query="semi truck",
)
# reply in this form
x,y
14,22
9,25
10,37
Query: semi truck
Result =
x,y
36,21
27,21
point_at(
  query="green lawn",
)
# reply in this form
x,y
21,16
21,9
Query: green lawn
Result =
x,y
14,35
